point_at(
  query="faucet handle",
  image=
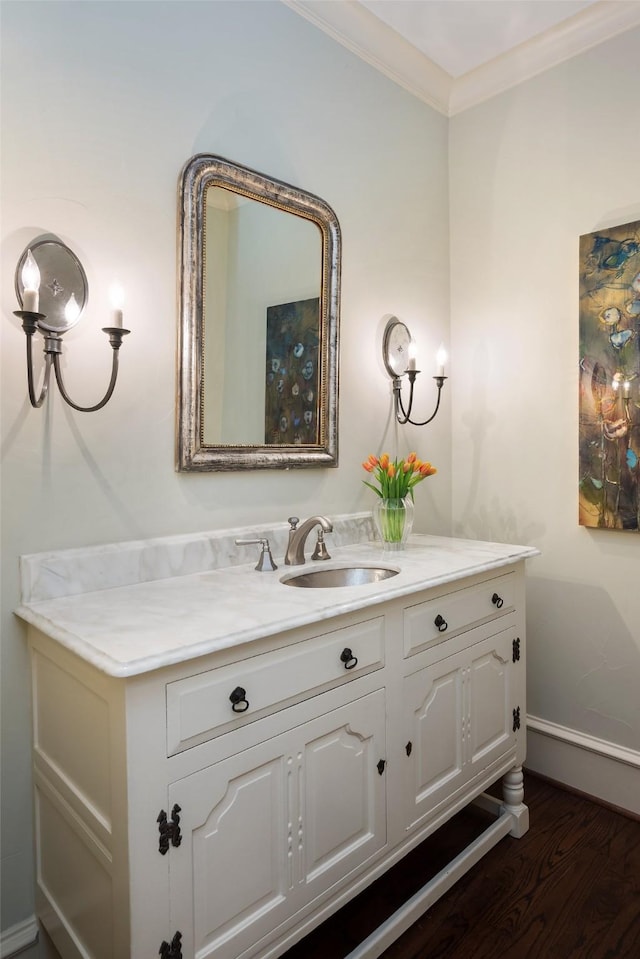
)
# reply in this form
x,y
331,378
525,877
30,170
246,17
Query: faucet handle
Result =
x,y
320,552
265,562
293,521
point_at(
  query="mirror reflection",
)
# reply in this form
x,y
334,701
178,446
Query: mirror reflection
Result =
x,y
262,323
259,301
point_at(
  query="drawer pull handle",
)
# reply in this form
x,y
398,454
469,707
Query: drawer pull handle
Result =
x,y
347,657
239,701
497,600
441,623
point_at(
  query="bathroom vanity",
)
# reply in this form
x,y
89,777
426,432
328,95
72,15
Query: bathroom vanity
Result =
x,y
221,760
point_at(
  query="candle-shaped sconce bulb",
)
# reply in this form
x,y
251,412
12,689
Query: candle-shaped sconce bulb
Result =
x,y
412,354
116,295
626,388
71,310
441,359
31,284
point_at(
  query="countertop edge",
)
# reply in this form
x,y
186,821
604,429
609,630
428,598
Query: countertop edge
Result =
x,y
384,592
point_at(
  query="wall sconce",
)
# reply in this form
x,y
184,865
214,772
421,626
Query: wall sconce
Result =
x,y
398,353
50,278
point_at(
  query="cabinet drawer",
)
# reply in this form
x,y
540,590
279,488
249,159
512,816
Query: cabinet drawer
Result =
x,y
200,707
437,620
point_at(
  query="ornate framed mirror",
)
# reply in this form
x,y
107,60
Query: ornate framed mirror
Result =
x,y
259,322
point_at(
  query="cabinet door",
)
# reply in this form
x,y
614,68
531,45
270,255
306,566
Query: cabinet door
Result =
x,y
490,716
434,706
231,876
343,798
458,720
269,829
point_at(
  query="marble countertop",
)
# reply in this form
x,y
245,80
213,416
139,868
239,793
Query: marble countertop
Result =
x,y
130,629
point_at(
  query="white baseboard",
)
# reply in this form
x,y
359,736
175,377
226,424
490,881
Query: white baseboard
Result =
x,y
18,937
594,766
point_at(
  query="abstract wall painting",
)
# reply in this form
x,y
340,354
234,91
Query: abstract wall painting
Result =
x,y
609,411
292,375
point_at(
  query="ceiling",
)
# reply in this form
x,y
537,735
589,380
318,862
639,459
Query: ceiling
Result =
x,y
460,35
455,53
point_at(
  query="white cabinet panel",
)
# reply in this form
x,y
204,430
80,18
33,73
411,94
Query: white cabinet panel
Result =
x,y
458,720
267,830
491,708
230,877
435,726
344,792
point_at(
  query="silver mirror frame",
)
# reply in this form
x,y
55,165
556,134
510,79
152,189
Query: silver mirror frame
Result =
x,y
201,172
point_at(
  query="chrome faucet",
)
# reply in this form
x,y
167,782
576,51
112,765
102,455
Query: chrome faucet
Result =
x,y
298,537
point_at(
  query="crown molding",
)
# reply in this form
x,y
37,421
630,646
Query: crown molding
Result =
x,y
580,33
356,28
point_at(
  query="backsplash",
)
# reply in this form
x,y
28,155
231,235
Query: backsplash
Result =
x,y
55,574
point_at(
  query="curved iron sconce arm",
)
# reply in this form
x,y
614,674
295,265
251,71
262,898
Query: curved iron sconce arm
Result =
x,y
404,416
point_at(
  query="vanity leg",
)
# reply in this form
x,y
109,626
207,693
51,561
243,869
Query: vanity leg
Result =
x,y
513,805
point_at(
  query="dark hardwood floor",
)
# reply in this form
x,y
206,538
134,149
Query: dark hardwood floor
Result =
x,y
569,889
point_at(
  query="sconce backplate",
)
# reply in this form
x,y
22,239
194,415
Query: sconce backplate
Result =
x,y
61,274
395,347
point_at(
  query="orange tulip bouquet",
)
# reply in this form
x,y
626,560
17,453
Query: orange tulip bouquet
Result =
x,y
394,483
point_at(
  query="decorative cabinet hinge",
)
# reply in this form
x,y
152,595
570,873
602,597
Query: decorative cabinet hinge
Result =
x,y
173,949
516,718
516,649
381,765
169,831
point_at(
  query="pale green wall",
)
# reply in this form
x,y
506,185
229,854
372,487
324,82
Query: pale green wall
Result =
x,y
531,170
102,103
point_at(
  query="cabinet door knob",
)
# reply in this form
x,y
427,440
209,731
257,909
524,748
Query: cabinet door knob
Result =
x,y
497,600
440,623
239,701
347,657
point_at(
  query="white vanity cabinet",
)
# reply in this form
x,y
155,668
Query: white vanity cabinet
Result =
x,y
222,806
